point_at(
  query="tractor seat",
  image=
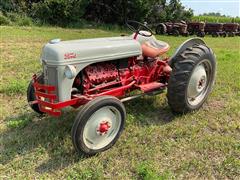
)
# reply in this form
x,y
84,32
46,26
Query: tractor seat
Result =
x,y
153,48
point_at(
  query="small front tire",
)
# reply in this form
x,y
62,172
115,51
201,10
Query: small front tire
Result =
x,y
98,125
31,94
215,34
175,32
201,34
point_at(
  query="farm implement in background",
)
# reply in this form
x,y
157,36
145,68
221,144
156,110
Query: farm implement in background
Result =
x,y
199,28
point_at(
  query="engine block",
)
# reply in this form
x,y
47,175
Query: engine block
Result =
x,y
100,73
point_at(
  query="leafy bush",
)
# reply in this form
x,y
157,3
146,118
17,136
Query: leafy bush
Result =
x,y
19,19
24,21
4,20
152,11
58,12
6,5
14,17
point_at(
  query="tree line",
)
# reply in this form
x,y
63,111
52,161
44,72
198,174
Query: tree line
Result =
x,y
64,12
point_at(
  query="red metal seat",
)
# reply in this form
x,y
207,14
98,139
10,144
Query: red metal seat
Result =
x,y
154,48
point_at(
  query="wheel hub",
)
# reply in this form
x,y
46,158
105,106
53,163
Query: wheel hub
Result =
x,y
201,83
197,81
103,128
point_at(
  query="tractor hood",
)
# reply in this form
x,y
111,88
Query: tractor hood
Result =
x,y
58,52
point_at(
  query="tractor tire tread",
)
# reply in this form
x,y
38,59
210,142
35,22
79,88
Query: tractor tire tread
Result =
x,y
182,69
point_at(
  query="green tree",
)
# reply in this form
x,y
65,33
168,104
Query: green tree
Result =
x,y
59,12
176,11
63,12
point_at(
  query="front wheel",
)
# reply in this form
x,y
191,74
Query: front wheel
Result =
x,y
224,34
98,125
186,34
215,34
192,79
175,32
201,34
31,94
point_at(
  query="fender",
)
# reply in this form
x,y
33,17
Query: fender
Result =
x,y
184,46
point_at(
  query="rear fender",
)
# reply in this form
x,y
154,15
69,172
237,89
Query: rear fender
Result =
x,y
184,46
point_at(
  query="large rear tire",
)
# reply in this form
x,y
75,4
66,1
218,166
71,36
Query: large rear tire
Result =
x,y
31,94
192,79
98,125
161,29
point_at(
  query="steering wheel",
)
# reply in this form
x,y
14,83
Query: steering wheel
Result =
x,y
137,27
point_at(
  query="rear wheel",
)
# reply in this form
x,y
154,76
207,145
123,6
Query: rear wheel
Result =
x,y
161,29
224,34
98,125
31,94
192,79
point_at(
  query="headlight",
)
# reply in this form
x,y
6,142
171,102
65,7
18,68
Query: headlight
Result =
x,y
70,72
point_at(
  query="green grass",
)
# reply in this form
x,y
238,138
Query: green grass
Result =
x,y
155,144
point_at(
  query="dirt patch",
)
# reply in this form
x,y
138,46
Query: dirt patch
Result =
x,y
215,105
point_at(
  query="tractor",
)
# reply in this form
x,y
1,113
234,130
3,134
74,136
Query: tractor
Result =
x,y
171,28
196,28
231,29
99,75
215,29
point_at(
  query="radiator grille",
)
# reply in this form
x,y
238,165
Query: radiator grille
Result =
x,y
50,77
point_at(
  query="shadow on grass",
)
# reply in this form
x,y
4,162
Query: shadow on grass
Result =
x,y
150,110
49,138
45,137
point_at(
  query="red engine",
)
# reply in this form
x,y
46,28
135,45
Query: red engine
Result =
x,y
104,76
101,73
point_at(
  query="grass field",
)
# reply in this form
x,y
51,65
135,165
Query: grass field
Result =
x,y
155,143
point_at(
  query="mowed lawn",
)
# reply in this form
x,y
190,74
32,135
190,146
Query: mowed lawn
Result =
x,y
155,144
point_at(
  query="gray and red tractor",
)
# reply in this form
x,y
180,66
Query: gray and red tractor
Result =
x,y
99,75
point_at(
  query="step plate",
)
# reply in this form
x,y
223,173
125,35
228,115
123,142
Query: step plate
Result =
x,y
151,86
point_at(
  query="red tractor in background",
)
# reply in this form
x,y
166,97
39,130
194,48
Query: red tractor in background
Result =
x,y
215,29
196,28
170,28
231,29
